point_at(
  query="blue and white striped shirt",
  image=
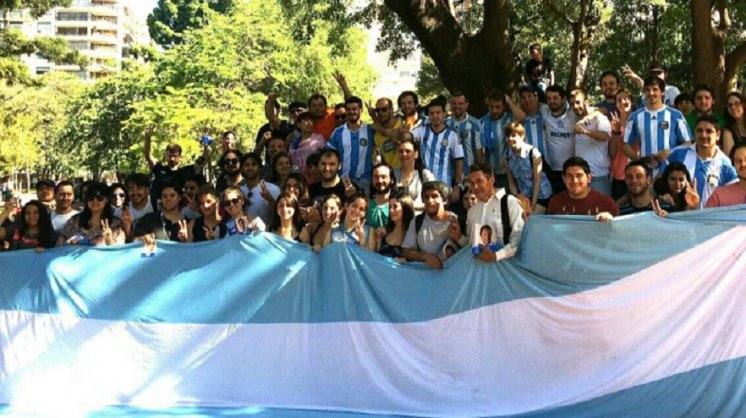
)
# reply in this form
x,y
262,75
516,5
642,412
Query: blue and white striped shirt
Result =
x,y
709,174
493,140
656,131
534,126
439,151
469,132
356,151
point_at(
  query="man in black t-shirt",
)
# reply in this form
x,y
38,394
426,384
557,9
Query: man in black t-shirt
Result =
x,y
171,171
539,71
329,163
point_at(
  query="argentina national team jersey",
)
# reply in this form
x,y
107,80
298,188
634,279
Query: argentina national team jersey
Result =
x,y
656,130
493,140
469,133
355,149
709,174
438,151
534,126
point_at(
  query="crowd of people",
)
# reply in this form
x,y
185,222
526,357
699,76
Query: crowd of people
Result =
x,y
417,183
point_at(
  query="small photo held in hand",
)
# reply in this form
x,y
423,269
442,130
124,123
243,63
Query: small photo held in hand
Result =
x,y
484,236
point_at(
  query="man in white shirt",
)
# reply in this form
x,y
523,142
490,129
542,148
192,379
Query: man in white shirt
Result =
x,y
260,195
494,209
592,133
64,195
559,128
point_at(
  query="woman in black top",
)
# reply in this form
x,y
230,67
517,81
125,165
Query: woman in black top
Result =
x,y
287,222
208,226
32,229
390,238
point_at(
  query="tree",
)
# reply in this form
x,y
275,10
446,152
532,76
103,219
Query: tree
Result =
x,y
713,29
13,43
171,18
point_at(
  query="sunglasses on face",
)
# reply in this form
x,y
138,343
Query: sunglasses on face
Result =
x,y
231,161
382,109
234,201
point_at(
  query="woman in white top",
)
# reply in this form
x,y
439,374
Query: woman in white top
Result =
x,y
412,175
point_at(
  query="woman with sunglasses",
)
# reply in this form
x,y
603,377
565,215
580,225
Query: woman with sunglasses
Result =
x,y
208,226
238,220
304,143
318,235
167,223
96,224
32,229
287,221
734,131
119,198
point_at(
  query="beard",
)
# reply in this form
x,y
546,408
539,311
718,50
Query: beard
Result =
x,y
382,189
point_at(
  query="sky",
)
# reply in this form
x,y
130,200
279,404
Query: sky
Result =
x,y
142,8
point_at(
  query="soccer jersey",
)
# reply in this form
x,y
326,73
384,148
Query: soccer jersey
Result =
x,y
438,151
388,147
560,136
534,126
657,130
591,150
710,174
469,132
355,149
493,140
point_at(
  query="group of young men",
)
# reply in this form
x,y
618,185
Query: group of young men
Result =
x,y
579,144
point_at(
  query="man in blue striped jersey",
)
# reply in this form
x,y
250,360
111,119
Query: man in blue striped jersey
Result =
x,y
354,142
468,128
440,149
656,128
501,111
533,123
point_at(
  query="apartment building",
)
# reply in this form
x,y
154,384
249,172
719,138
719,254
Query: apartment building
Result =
x,y
99,29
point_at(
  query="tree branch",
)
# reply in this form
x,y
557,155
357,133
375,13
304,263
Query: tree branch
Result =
x,y
563,16
734,60
725,22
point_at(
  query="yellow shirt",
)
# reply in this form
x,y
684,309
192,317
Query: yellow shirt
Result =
x,y
388,148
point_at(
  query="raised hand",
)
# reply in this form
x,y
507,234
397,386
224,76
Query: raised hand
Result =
x,y
183,232
209,232
616,123
662,154
454,229
106,233
339,78
691,196
266,195
149,242
349,187
126,220
657,208
359,230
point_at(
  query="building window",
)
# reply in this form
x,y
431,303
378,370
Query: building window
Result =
x,y
44,28
72,31
79,45
72,16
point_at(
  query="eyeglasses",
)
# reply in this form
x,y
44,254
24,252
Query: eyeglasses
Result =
x,y
230,161
734,104
382,109
234,201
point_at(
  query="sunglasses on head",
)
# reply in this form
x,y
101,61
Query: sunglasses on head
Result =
x,y
230,202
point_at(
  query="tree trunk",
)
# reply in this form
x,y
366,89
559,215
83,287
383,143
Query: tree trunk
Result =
x,y
652,37
583,32
474,64
711,65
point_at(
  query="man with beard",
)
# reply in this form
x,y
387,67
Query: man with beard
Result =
x,y
139,205
45,193
496,209
501,111
428,232
734,193
592,140
609,82
190,210
274,146
331,182
64,194
559,126
707,164
230,162
704,102
468,129
378,206
354,142
440,149
260,195
639,194
409,110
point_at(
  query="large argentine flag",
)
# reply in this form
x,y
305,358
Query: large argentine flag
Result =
x,y
639,317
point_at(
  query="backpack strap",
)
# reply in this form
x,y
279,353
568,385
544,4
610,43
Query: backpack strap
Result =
x,y
418,220
505,217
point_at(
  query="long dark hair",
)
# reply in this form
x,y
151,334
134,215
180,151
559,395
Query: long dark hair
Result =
x,y
46,230
115,186
661,185
293,201
731,123
302,187
407,206
96,189
275,177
